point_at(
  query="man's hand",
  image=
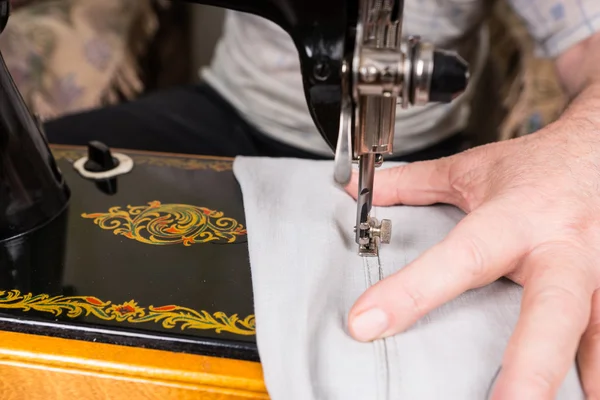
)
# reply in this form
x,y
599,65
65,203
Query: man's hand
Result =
x,y
533,207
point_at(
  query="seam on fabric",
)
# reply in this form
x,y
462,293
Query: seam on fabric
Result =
x,y
403,249
375,346
392,348
382,345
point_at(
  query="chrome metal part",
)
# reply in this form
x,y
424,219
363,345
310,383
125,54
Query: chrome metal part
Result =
x,y
423,71
365,197
378,77
385,72
343,154
378,233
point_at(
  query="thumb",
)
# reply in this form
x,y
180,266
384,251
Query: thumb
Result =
x,y
418,184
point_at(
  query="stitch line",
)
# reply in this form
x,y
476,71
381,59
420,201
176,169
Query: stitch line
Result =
x,y
381,345
367,271
395,337
388,343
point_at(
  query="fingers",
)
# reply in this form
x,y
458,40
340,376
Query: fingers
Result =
x,y
589,352
554,313
461,262
420,183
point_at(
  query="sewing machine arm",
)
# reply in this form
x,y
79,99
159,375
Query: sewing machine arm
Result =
x,y
356,69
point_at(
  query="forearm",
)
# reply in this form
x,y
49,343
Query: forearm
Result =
x,y
579,72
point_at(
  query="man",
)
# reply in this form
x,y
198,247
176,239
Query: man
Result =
x,y
533,202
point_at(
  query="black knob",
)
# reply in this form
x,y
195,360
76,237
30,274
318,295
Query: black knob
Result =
x,y
4,13
100,159
449,78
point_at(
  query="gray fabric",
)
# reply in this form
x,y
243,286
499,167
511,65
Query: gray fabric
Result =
x,y
306,276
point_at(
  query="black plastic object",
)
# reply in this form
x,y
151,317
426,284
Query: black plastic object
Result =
x,y
324,34
100,158
32,190
4,13
34,262
450,77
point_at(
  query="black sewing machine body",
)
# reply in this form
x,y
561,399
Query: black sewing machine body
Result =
x,y
29,199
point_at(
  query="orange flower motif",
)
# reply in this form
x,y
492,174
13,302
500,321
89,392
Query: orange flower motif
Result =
x,y
163,308
173,229
187,241
94,301
124,311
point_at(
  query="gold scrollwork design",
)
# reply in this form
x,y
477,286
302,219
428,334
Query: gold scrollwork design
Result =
x,y
169,316
166,224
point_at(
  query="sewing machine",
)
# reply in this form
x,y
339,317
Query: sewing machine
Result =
x,y
356,68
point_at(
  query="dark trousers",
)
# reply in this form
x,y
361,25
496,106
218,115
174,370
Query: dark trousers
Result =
x,y
193,119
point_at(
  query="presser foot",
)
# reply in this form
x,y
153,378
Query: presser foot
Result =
x,y
372,233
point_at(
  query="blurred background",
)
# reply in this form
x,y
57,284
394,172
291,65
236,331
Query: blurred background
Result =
x,y
70,55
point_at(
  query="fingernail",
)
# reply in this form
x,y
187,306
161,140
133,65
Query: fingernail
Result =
x,y
370,325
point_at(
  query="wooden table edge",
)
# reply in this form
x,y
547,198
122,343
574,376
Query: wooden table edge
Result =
x,y
179,369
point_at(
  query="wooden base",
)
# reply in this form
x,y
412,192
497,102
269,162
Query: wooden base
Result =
x,y
39,367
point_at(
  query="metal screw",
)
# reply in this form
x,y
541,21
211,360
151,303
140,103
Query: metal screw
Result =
x,y
369,73
322,71
383,231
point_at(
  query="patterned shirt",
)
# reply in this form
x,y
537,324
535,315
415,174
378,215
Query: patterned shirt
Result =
x,y
256,67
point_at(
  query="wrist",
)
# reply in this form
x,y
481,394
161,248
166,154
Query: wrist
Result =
x,y
584,107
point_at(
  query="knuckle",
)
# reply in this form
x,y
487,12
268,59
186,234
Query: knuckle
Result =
x,y
388,188
544,382
474,254
464,188
414,299
557,294
570,307
398,175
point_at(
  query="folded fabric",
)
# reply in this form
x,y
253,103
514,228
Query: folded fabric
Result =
x,y
306,275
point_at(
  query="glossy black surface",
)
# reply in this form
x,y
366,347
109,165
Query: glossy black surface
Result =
x,y
324,35
32,191
74,258
4,13
449,78
34,262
